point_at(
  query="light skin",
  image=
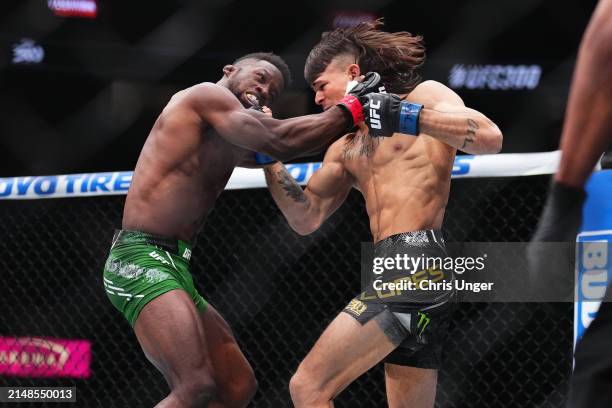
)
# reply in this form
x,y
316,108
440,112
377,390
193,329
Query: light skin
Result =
x,y
405,182
198,139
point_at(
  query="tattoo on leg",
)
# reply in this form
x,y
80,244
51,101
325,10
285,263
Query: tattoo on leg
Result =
x,y
471,132
293,189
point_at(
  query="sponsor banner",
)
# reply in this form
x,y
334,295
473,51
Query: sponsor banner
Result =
x,y
44,357
494,77
72,185
594,255
74,8
117,183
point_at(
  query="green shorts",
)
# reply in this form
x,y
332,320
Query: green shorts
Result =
x,y
141,267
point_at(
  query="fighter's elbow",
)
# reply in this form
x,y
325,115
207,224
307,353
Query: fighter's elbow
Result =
x,y
304,226
490,142
496,141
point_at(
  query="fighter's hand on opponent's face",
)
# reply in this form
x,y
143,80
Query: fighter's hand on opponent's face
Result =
x,y
353,101
368,83
383,113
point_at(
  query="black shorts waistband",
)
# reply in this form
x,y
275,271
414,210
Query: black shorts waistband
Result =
x,y
172,245
414,238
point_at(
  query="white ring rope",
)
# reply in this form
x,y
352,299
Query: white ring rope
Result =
x,y
117,183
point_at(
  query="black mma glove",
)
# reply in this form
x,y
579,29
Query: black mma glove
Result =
x,y
386,114
353,100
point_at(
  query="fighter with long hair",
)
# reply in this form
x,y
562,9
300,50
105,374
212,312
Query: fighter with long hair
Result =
x,y
405,181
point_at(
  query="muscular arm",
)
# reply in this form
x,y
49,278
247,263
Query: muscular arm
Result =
x,y
587,130
306,209
247,128
447,119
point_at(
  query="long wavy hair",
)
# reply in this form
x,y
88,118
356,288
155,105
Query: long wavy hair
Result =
x,y
395,56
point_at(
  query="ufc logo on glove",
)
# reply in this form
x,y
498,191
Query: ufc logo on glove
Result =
x,y
374,115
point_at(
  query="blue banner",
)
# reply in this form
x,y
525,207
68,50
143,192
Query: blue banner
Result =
x,y
593,257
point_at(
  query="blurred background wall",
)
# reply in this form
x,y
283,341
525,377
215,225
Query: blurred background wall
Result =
x,y
81,82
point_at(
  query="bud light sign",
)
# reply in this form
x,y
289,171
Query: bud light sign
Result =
x,y
594,252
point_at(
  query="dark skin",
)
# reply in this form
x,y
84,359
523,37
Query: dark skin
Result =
x,y
201,135
198,139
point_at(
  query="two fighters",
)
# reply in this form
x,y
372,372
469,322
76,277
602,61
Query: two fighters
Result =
x,y
405,181
187,159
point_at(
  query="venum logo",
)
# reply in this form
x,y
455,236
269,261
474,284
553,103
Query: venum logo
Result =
x,y
374,116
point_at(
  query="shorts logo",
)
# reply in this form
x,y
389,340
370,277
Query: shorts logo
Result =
x,y
158,257
357,307
422,324
187,254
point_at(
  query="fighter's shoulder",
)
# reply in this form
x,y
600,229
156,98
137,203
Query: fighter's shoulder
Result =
x,y
334,151
208,94
431,93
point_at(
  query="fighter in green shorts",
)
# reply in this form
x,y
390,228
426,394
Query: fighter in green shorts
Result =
x,y
187,159
143,266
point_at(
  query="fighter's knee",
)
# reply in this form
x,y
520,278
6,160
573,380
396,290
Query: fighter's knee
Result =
x,y
247,388
240,392
198,390
304,389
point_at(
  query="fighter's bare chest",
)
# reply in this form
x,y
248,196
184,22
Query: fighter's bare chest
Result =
x,y
361,151
215,145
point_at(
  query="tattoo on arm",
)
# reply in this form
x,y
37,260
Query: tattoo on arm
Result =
x,y
293,189
471,132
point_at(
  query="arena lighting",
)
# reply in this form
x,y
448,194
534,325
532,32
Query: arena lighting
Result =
x,y
344,19
74,8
